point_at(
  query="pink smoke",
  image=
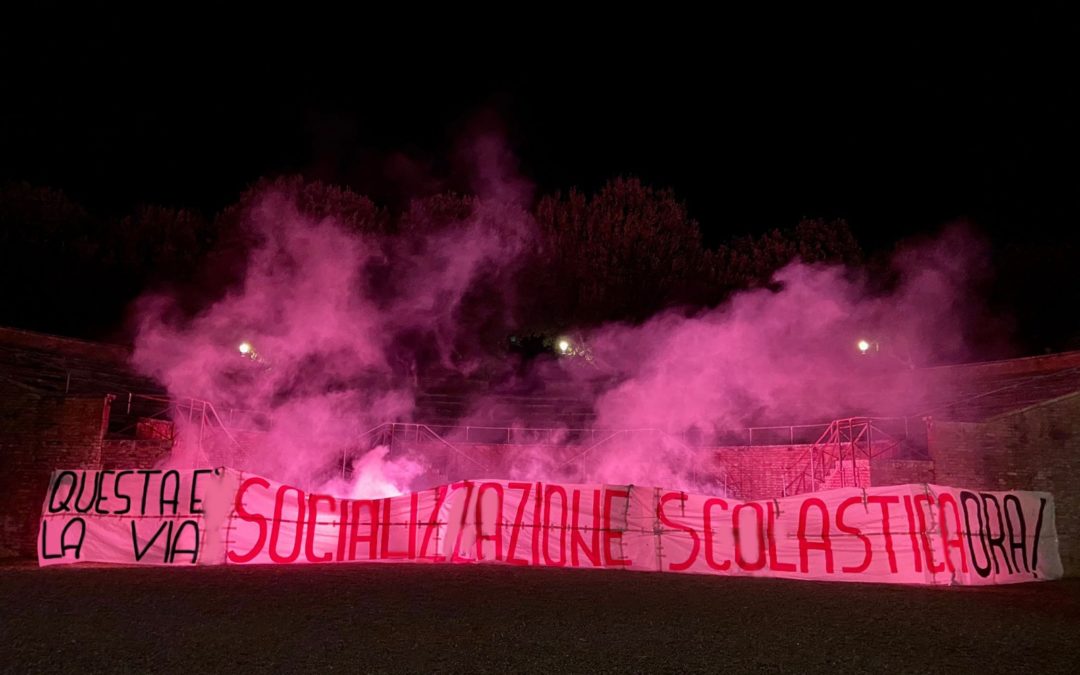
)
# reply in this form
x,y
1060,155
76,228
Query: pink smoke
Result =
x,y
780,355
330,320
788,352
340,323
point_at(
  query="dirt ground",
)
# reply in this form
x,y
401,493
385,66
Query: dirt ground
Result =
x,y
424,618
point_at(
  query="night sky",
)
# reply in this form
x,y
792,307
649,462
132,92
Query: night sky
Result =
x,y
898,126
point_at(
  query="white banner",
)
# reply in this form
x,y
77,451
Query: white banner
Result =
x,y
920,534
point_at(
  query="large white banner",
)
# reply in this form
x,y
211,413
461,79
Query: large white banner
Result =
x,y
919,534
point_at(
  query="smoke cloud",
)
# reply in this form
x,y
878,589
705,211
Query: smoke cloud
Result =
x,y
342,324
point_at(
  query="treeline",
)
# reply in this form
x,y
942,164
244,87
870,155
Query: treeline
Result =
x,y
620,254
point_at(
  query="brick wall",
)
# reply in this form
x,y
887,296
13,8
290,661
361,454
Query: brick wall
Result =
x,y
1035,449
846,475
133,453
901,471
39,434
762,471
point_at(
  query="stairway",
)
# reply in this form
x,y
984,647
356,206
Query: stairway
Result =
x,y
841,456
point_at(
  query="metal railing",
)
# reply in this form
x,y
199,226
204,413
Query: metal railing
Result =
x,y
833,450
798,434
390,432
841,446
198,416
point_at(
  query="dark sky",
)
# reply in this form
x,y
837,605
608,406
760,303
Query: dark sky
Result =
x,y
895,129
898,124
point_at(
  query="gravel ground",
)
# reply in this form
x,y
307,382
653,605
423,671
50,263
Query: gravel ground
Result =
x,y
395,618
